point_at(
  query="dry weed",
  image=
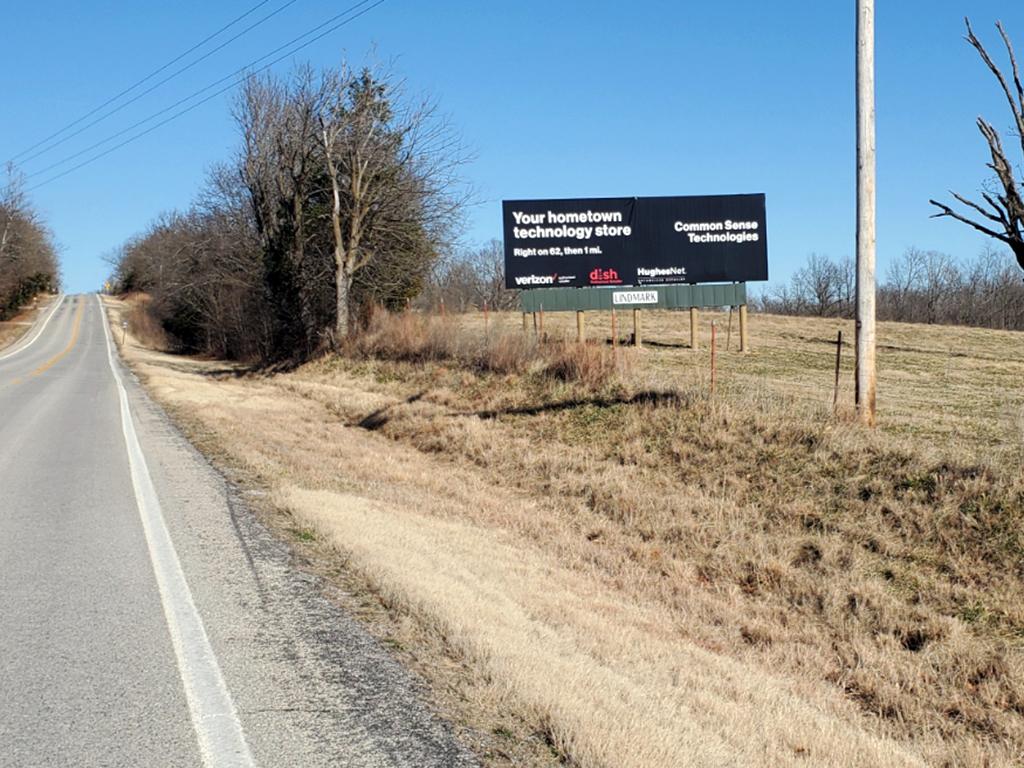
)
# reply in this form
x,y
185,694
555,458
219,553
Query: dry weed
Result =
x,y
414,338
144,326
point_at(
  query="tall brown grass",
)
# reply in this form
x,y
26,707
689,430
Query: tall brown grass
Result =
x,y
415,338
144,325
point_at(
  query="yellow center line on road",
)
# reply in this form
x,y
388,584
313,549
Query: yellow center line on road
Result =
x,y
71,344
63,353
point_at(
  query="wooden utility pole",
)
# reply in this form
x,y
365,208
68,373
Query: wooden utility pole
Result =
x,y
866,381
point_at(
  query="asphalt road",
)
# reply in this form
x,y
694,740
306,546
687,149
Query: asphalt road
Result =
x,y
146,617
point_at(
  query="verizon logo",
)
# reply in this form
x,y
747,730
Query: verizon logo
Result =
x,y
535,280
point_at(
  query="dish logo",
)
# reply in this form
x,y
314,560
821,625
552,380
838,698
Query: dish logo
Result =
x,y
605,277
536,280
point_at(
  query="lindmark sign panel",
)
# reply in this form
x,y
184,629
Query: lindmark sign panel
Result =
x,y
633,241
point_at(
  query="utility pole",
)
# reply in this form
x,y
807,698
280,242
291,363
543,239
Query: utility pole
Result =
x,y
866,378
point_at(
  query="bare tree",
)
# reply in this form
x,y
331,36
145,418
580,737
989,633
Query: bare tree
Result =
x,y
28,257
392,175
341,196
819,284
280,165
471,279
1003,208
902,278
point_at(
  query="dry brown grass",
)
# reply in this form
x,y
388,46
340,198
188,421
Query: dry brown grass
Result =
x,y
13,329
143,325
648,572
418,339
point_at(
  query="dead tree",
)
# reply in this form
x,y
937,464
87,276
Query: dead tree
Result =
x,y
1002,211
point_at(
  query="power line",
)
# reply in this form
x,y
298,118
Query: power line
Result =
x,y
144,80
152,88
201,91
212,96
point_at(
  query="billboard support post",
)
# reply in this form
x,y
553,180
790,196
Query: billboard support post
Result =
x,y
615,330
581,335
637,341
693,328
744,340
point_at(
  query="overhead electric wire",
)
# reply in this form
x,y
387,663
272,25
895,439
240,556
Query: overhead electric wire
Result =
x,y
201,91
212,96
154,87
144,80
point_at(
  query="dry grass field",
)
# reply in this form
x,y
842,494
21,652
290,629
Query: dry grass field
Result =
x,y
13,329
648,575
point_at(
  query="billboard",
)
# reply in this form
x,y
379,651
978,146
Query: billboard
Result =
x,y
634,241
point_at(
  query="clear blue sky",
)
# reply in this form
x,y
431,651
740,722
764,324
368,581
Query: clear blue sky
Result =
x,y
556,99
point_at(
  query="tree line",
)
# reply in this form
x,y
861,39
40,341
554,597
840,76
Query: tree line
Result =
x,y
28,255
341,196
918,287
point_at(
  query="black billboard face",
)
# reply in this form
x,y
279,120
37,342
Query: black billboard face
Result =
x,y
635,241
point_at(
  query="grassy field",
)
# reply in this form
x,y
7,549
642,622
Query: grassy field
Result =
x,y
601,563
935,382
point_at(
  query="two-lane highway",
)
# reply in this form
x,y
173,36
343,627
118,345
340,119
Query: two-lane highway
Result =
x,y
146,618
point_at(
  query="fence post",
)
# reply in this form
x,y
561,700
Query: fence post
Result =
x,y
526,322
615,330
581,333
714,371
542,322
693,328
487,320
637,340
728,333
839,354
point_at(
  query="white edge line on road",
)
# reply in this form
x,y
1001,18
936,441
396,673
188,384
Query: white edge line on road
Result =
x,y
23,347
221,738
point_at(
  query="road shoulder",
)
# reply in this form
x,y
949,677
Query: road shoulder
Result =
x,y
311,686
15,330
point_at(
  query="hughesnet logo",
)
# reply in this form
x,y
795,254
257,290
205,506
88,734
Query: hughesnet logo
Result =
x,y
605,277
661,271
536,280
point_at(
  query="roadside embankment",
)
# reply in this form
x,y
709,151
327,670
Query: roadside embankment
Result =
x,y
14,329
638,571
